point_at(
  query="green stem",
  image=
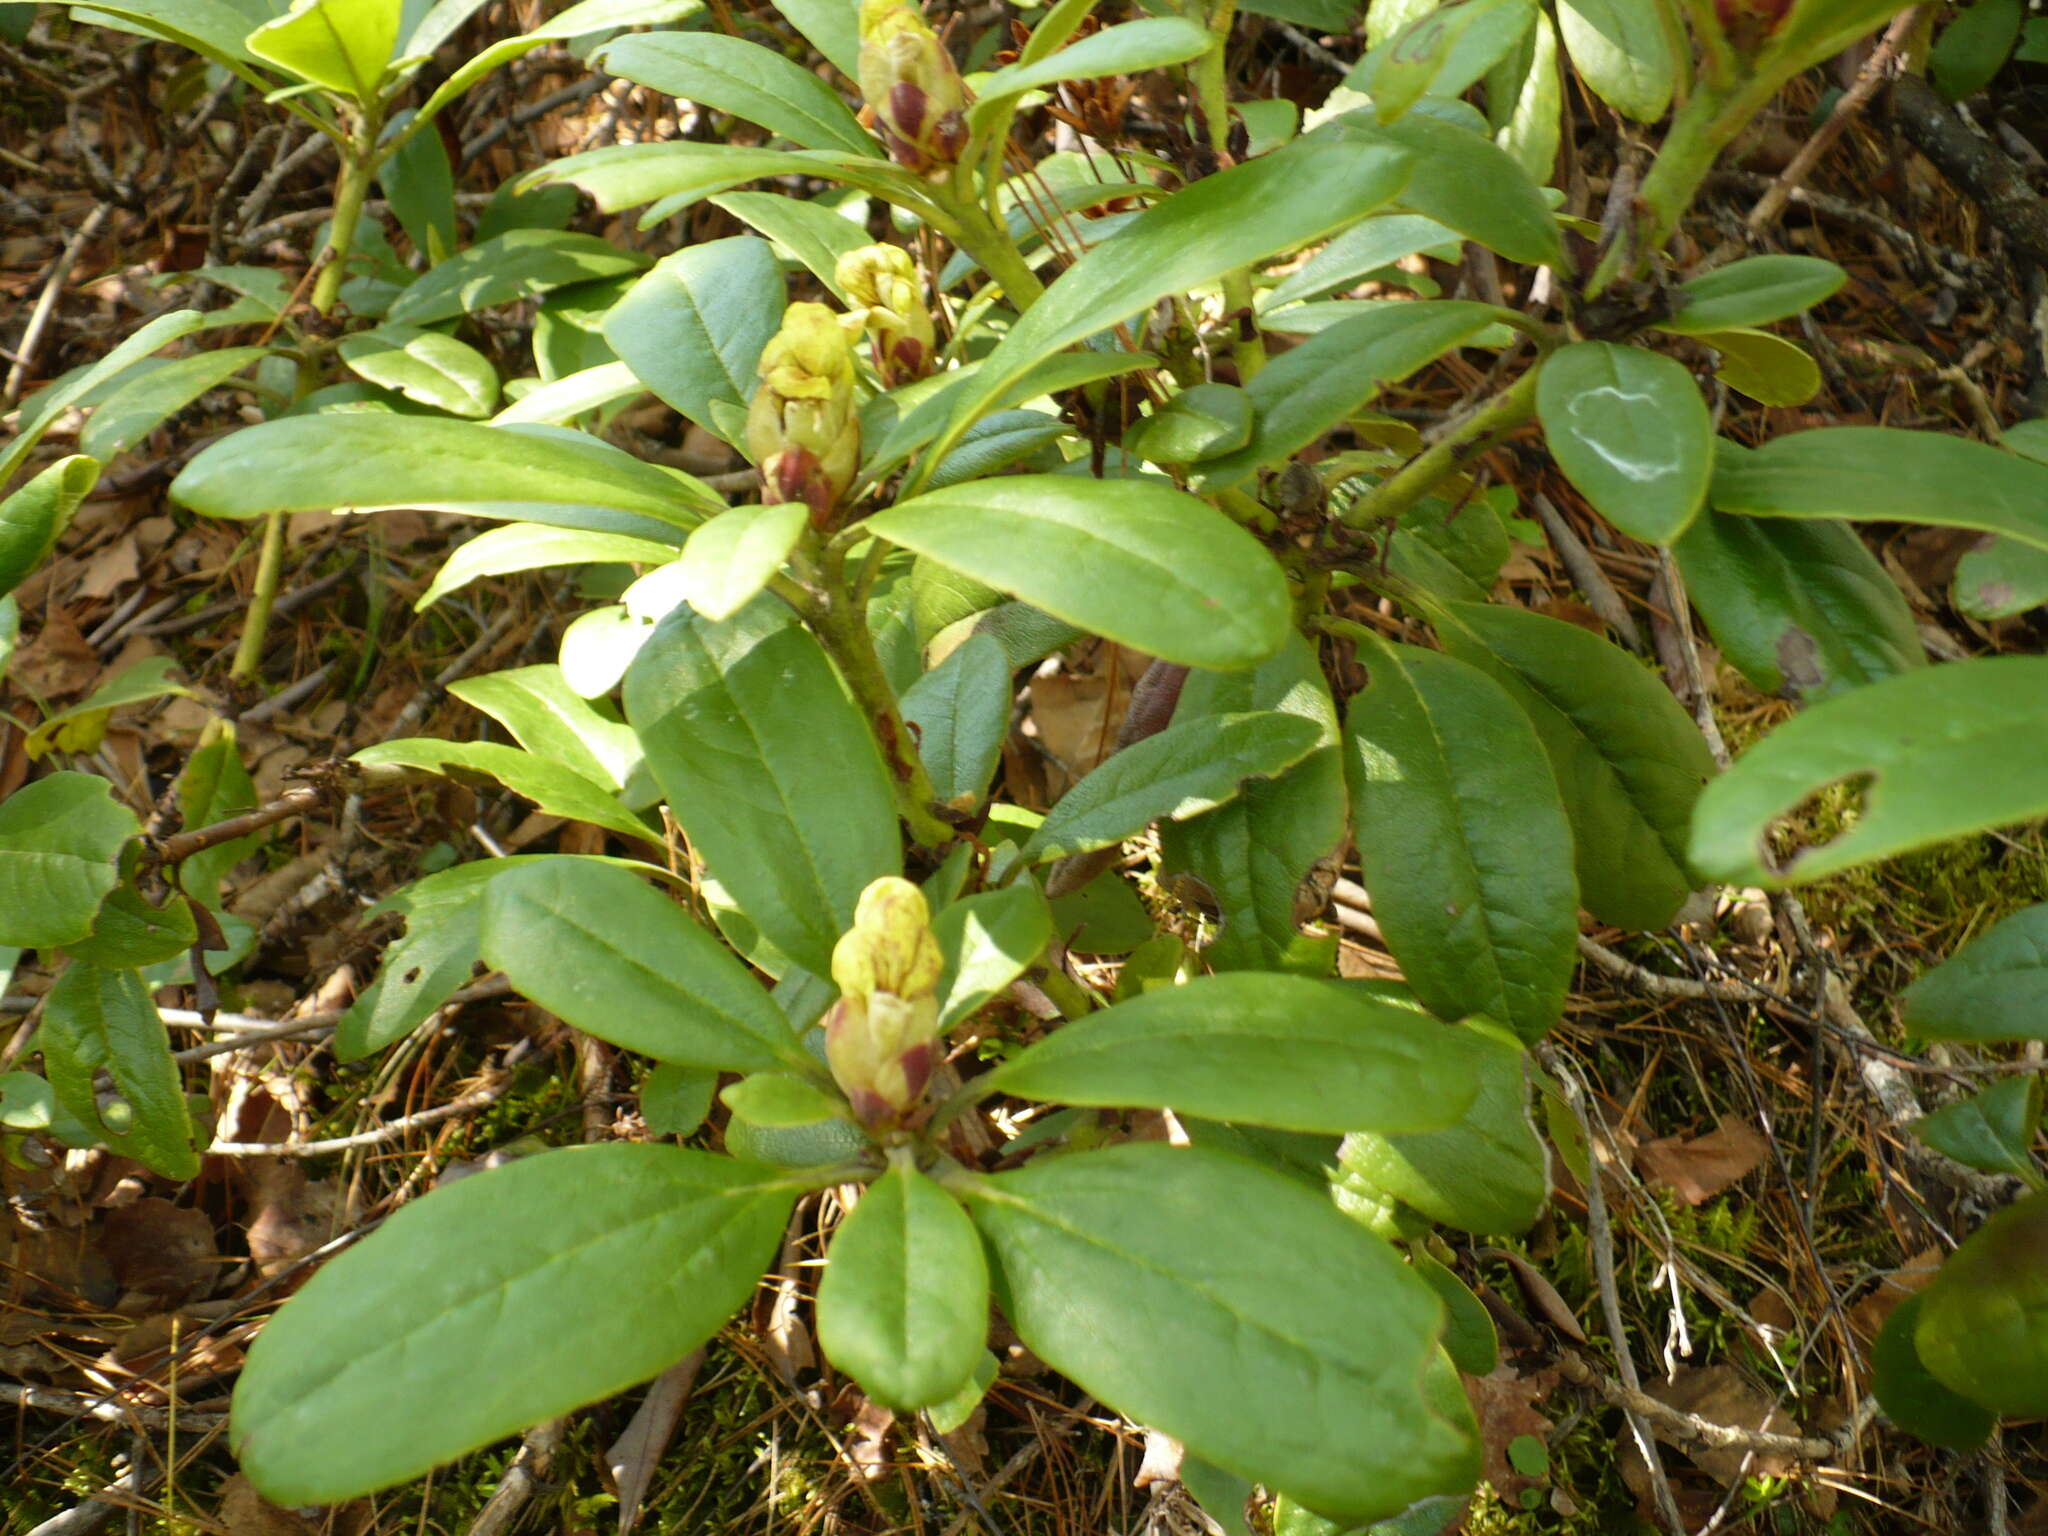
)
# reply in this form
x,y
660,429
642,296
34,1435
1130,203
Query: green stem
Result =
x,y
988,243
256,620
1428,469
842,629
357,158
1210,79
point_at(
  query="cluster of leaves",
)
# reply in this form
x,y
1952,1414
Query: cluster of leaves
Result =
x,y
801,682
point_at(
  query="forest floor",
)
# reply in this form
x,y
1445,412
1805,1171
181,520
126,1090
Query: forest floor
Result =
x,y
1749,1084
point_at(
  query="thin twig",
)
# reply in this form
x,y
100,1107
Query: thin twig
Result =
x,y
390,1130
78,1406
1688,1431
1658,985
1586,574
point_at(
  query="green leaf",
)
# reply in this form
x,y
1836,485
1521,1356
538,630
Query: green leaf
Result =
x,y
1992,1131
82,727
1629,761
1630,431
1259,1049
34,518
903,1305
731,75
131,932
1526,102
1469,1335
693,328
532,546
988,941
1134,560
60,845
829,25
573,394
426,366
137,406
960,713
673,175
1983,1328
780,1100
213,28
1473,185
602,949
213,788
1488,1173
41,411
1298,193
1367,246
814,234
1801,609
1309,389
1181,772
1212,1300
1623,51
730,558
1129,49
1251,855
556,790
1994,988
1886,474
547,717
770,769
1203,422
2000,577
1463,839
370,462
419,184
1980,769
518,264
1442,53
958,1408
925,406
674,1100
340,44
1769,369
1753,291
97,1020
597,1266
1910,1395
1973,48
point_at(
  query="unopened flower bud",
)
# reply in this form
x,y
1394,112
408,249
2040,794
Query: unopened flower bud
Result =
x,y
801,427
883,281
881,1037
910,82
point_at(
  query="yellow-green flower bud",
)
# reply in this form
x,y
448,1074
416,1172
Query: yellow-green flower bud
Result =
x,y
881,1037
910,82
801,427
883,281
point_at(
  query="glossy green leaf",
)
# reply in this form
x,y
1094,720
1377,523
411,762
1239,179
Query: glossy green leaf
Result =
x,y
82,727
1983,1328
1257,1049
597,1267
770,769
1367,246
1911,1396
1768,369
60,845
1242,215
138,406
1181,772
1473,185
1083,550
1631,432
927,405
214,787
1992,1130
903,1305
418,183
34,518
598,646
1886,474
1753,291
693,328
814,234
2000,577
1129,49
781,1100
957,1409
730,558
1199,423
549,718
534,546
1309,389
960,713
555,789
1441,53
1973,48
1525,101
99,1020
340,44
671,175
1249,857
1802,609
1994,988
1624,51
426,366
674,1100
571,395
518,264
1463,839
132,931
1218,1303
42,409
1943,752
370,462
1629,761
213,28
729,74
1488,1173
989,941
602,949
1469,1335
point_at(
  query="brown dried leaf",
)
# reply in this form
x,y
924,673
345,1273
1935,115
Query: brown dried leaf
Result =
x,y
1699,1169
161,1253
110,567
293,1213
1504,1403
57,663
1721,1394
